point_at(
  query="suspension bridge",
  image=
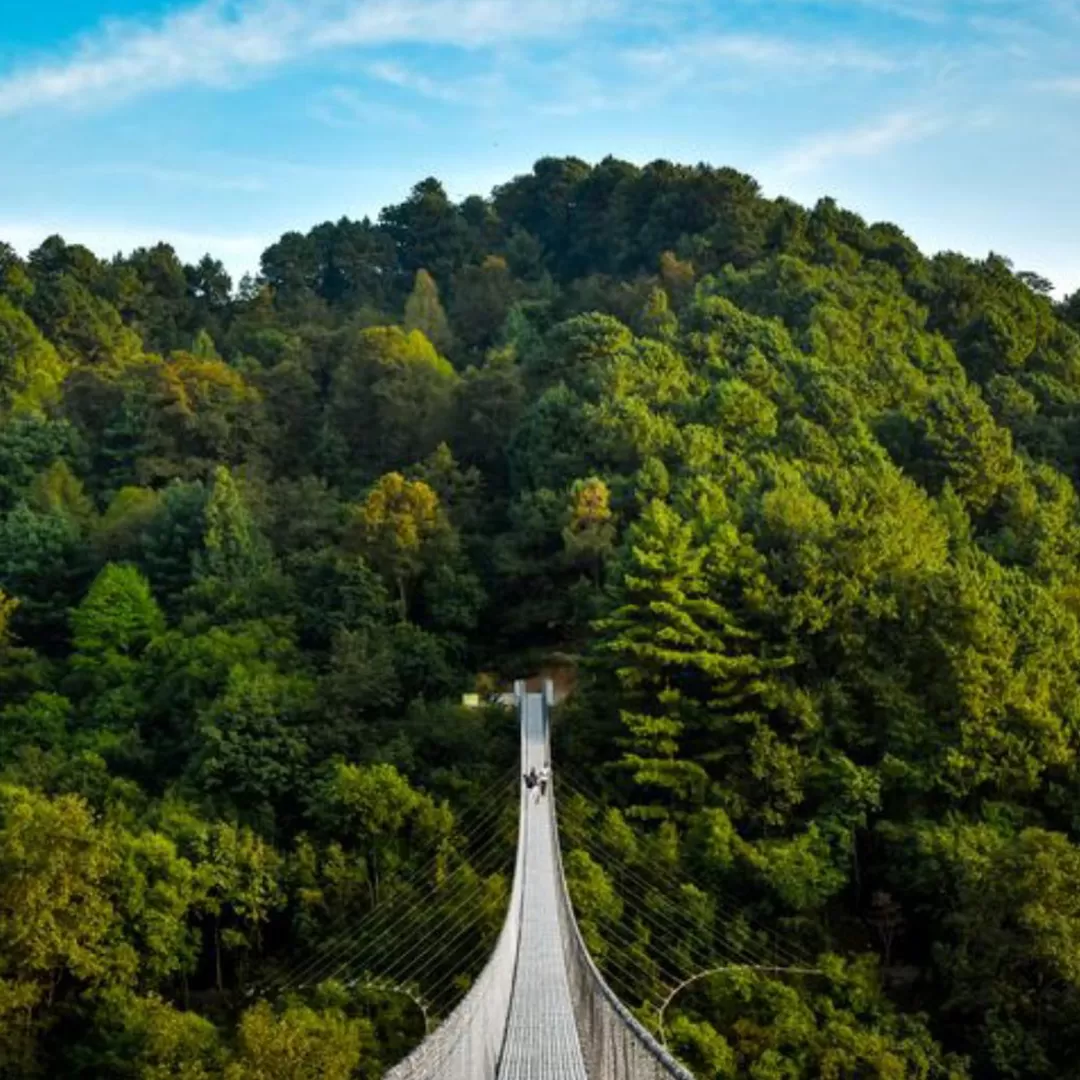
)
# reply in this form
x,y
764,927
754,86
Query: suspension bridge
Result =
x,y
540,1008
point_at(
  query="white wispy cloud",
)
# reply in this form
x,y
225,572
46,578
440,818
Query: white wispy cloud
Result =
x,y
928,12
342,107
893,129
480,90
938,12
580,104
1065,84
396,75
760,50
571,86
181,178
1066,9
221,43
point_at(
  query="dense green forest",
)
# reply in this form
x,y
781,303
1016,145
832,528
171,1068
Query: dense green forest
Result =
x,y
799,501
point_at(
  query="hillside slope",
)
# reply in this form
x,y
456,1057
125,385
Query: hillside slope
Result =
x,y
800,499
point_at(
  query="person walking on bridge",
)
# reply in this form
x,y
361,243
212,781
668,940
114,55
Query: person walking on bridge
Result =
x,y
531,779
545,776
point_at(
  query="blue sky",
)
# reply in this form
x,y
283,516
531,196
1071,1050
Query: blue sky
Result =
x,y
220,124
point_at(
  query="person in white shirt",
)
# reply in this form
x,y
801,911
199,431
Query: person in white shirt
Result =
x,y
545,776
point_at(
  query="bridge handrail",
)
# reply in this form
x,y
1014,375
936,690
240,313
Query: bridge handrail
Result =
x,y
615,1043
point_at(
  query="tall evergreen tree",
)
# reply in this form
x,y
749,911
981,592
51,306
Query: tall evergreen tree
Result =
x,y
424,312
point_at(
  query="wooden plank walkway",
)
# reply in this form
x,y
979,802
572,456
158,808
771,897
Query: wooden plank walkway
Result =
x,y
542,1036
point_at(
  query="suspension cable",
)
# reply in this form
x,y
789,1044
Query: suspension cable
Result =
x,y
383,919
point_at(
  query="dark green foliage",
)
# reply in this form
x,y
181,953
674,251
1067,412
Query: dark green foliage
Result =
x,y
28,444
44,564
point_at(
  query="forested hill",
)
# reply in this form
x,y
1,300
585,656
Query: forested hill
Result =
x,y
800,500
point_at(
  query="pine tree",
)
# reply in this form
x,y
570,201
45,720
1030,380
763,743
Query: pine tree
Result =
x,y
236,563
424,312
679,654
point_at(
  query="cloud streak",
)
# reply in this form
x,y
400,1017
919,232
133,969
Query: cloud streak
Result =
x,y
224,43
476,90
1068,85
180,178
396,75
345,109
894,129
762,51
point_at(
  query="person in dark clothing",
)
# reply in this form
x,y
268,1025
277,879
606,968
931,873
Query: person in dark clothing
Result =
x,y
531,779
